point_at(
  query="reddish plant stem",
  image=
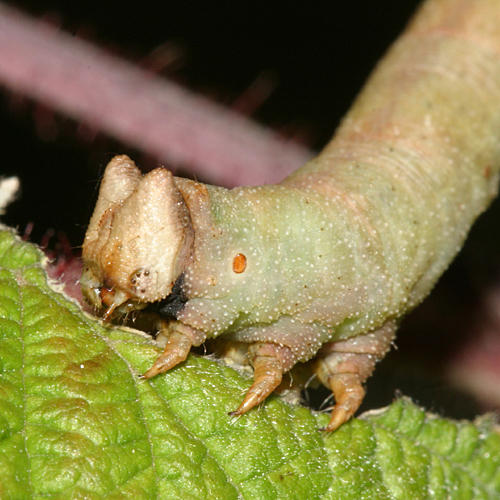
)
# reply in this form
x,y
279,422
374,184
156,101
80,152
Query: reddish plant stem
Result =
x,y
475,365
148,112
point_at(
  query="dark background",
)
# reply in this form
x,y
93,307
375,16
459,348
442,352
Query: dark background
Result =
x,y
317,56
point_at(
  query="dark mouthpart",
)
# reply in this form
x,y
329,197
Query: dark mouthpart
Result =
x,y
170,306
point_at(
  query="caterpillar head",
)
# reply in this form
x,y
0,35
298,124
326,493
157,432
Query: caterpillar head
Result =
x,y
139,239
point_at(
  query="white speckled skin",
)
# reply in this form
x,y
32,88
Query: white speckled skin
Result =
x,y
301,280
361,233
352,240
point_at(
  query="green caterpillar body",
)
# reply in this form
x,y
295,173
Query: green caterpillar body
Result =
x,y
292,284
342,248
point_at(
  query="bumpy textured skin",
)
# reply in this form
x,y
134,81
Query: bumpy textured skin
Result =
x,y
359,235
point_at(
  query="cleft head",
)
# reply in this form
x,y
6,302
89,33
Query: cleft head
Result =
x,y
139,239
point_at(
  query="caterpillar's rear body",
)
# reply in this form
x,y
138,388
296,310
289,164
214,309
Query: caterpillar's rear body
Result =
x,y
328,260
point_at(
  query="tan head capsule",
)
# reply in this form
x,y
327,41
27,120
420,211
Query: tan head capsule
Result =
x,y
139,239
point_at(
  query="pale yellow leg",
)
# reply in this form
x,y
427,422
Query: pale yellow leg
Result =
x,y
349,394
269,361
343,366
180,340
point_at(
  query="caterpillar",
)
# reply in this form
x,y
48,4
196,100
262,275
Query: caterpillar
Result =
x,y
324,264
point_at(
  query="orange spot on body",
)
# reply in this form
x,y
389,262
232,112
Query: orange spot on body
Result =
x,y
239,263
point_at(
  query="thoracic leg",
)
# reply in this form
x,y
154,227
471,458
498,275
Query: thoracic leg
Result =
x,y
269,362
343,366
180,340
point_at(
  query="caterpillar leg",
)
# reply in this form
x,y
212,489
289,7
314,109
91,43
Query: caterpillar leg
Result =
x,y
180,340
343,366
269,362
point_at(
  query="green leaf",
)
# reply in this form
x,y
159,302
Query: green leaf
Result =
x,y
76,421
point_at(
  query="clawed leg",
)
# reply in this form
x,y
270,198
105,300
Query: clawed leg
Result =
x,y
180,341
269,362
349,394
343,367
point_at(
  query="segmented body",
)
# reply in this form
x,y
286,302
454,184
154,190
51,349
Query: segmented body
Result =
x,y
361,233
342,248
